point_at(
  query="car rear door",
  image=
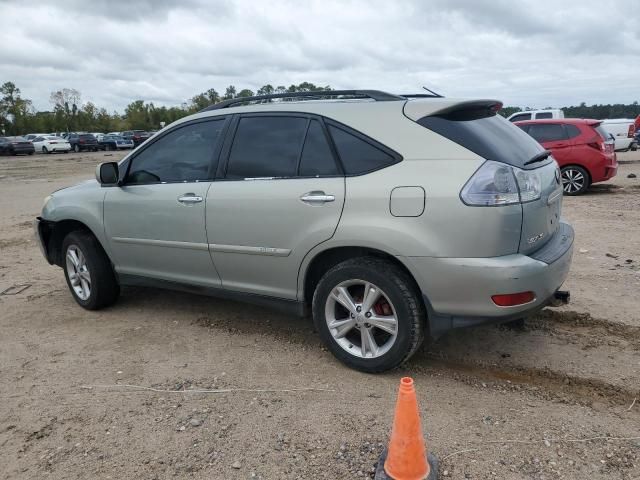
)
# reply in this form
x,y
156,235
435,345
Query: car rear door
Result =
x,y
280,194
155,221
552,136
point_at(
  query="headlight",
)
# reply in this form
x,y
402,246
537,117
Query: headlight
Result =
x,y
495,184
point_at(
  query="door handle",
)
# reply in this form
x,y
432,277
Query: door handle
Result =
x,y
314,198
189,199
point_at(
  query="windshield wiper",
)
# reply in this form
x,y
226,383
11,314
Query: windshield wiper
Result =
x,y
539,157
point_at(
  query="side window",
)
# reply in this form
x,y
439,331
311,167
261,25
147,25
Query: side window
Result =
x,y
182,155
521,117
266,147
547,132
358,156
572,131
543,115
317,158
37,139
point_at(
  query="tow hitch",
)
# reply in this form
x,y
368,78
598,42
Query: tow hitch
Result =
x,y
561,297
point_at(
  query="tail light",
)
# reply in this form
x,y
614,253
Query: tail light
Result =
x,y
600,146
495,184
513,299
53,143
632,131
80,141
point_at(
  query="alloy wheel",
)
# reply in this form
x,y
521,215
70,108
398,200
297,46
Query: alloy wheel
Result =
x,y
361,318
78,272
572,180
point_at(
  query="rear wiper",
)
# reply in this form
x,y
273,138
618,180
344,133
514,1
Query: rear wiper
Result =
x,y
539,157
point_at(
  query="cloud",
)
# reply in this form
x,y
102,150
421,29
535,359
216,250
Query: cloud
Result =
x,y
529,53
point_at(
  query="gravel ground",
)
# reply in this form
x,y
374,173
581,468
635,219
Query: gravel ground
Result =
x,y
551,400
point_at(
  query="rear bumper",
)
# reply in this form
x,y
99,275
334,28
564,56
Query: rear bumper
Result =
x,y
18,150
457,291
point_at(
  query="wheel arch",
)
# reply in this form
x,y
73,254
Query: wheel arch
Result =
x,y
56,233
326,259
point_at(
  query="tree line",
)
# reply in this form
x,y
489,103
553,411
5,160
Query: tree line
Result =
x,y
69,113
599,112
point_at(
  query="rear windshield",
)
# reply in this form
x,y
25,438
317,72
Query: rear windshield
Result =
x,y
493,138
603,133
87,136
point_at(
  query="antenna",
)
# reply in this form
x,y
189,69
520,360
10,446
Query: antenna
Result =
x,y
432,92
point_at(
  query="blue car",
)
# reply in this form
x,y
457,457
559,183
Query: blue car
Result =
x,y
114,142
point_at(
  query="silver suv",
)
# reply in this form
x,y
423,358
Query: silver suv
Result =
x,y
390,218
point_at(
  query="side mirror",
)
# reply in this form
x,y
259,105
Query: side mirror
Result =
x,y
107,174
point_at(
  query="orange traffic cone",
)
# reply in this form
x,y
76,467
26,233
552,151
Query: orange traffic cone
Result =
x,y
406,457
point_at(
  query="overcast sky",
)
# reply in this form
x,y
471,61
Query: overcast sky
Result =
x,y
534,53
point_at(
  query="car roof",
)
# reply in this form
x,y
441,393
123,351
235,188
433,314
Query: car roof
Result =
x,y
570,121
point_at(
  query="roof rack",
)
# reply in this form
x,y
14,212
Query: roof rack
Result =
x,y
421,95
376,95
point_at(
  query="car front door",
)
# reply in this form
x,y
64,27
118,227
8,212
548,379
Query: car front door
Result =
x,y
281,194
155,221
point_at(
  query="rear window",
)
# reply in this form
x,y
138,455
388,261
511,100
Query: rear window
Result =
x,y
603,133
543,115
572,131
520,117
547,132
493,138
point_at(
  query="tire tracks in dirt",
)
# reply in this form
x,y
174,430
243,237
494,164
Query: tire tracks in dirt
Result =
x,y
560,355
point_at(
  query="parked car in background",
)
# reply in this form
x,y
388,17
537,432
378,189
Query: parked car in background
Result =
x,y
536,115
31,136
583,149
114,142
51,144
137,136
16,146
623,130
355,211
83,142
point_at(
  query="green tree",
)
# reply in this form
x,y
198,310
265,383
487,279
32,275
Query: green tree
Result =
x,y
14,109
229,93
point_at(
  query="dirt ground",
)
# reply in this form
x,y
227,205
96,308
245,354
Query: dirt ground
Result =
x,y
556,399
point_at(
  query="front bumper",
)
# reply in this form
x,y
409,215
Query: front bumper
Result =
x,y
457,291
42,231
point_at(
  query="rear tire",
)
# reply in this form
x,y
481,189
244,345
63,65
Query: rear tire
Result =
x,y
88,271
575,180
76,148
397,301
44,150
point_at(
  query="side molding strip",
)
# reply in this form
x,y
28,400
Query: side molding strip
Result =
x,y
162,243
270,251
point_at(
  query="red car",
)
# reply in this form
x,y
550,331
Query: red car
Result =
x,y
582,148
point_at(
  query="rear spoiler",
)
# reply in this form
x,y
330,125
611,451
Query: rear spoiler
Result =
x,y
453,110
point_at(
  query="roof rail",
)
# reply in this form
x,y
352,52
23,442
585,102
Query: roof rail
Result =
x,y
376,95
421,95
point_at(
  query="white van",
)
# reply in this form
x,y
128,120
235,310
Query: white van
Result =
x,y
623,130
536,115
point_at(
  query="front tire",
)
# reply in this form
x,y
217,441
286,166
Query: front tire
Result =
x,y
88,271
575,180
368,312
